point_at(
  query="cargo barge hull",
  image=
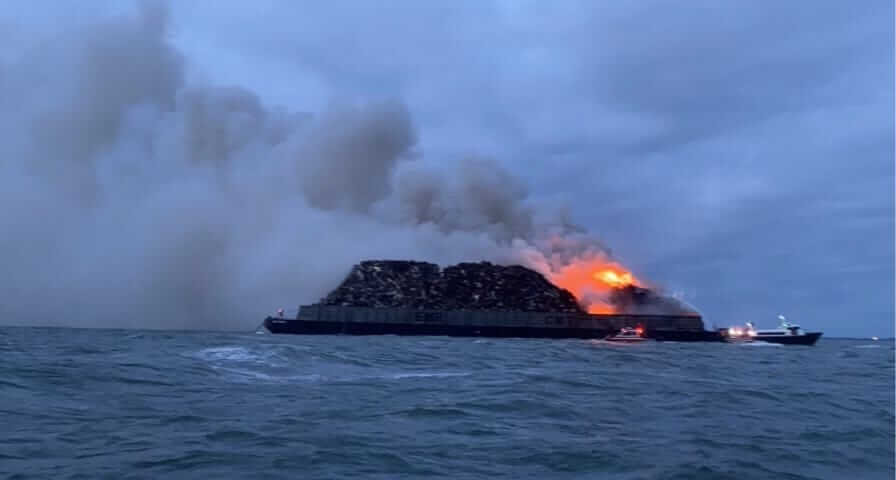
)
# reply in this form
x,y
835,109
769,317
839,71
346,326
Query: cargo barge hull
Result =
x,y
337,320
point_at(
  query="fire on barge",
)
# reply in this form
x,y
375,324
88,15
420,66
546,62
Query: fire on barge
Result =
x,y
477,300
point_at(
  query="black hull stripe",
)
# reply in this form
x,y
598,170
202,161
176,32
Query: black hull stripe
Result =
x,y
310,327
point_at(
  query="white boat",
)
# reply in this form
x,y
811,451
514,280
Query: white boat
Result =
x,y
627,335
787,334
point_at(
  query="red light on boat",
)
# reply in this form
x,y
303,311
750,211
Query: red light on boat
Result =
x,y
639,331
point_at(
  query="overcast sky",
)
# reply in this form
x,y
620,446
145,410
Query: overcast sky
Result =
x,y
738,152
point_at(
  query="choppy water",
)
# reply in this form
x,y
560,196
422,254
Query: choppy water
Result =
x,y
126,404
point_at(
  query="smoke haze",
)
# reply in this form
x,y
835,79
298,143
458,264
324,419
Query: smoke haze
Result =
x,y
134,198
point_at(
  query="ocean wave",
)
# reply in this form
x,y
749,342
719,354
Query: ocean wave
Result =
x,y
242,375
239,354
759,344
602,342
399,376
273,355
236,405
241,371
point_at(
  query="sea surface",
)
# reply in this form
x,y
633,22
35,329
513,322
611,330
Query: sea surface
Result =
x,y
78,403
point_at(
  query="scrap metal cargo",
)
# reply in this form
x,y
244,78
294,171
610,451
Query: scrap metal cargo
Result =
x,y
482,300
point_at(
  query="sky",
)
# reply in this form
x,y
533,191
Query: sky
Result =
x,y
192,161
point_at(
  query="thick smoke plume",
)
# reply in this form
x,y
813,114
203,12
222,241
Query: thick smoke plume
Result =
x,y
133,198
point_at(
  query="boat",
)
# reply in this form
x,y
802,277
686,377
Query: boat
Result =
x,y
737,334
627,335
786,334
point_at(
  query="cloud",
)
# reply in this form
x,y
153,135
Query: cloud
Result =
x,y
740,153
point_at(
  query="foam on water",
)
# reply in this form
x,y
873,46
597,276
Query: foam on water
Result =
x,y
759,344
267,354
255,364
238,354
399,376
242,375
249,376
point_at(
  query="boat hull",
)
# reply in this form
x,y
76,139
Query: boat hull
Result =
x,y
314,327
805,339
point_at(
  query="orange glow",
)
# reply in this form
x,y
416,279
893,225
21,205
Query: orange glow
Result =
x,y
591,281
614,278
600,308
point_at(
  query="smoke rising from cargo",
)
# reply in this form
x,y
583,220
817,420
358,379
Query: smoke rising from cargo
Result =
x,y
137,199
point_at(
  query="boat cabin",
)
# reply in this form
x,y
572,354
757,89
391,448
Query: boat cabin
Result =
x,y
784,329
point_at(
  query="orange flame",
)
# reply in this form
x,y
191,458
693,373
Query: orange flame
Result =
x,y
614,278
591,281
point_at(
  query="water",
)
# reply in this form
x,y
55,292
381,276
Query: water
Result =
x,y
128,404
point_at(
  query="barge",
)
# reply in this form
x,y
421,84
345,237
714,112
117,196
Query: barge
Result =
x,y
320,319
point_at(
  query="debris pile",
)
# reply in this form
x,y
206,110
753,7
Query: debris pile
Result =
x,y
465,286
484,286
393,283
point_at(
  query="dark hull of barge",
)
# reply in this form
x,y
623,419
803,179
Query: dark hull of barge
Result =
x,y
342,320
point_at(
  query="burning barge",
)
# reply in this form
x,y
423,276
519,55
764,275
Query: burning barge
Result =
x,y
478,300
335,320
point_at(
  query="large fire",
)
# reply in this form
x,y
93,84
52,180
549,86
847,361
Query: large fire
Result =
x,y
592,281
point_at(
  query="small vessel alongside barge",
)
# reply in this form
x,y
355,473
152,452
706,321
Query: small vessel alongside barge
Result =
x,y
628,335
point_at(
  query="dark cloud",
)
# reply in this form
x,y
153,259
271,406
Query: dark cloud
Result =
x,y
740,153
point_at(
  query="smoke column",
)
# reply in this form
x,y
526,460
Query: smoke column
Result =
x,y
135,199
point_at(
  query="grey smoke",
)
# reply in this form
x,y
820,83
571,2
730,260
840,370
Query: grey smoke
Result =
x,y
477,195
134,198
362,149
